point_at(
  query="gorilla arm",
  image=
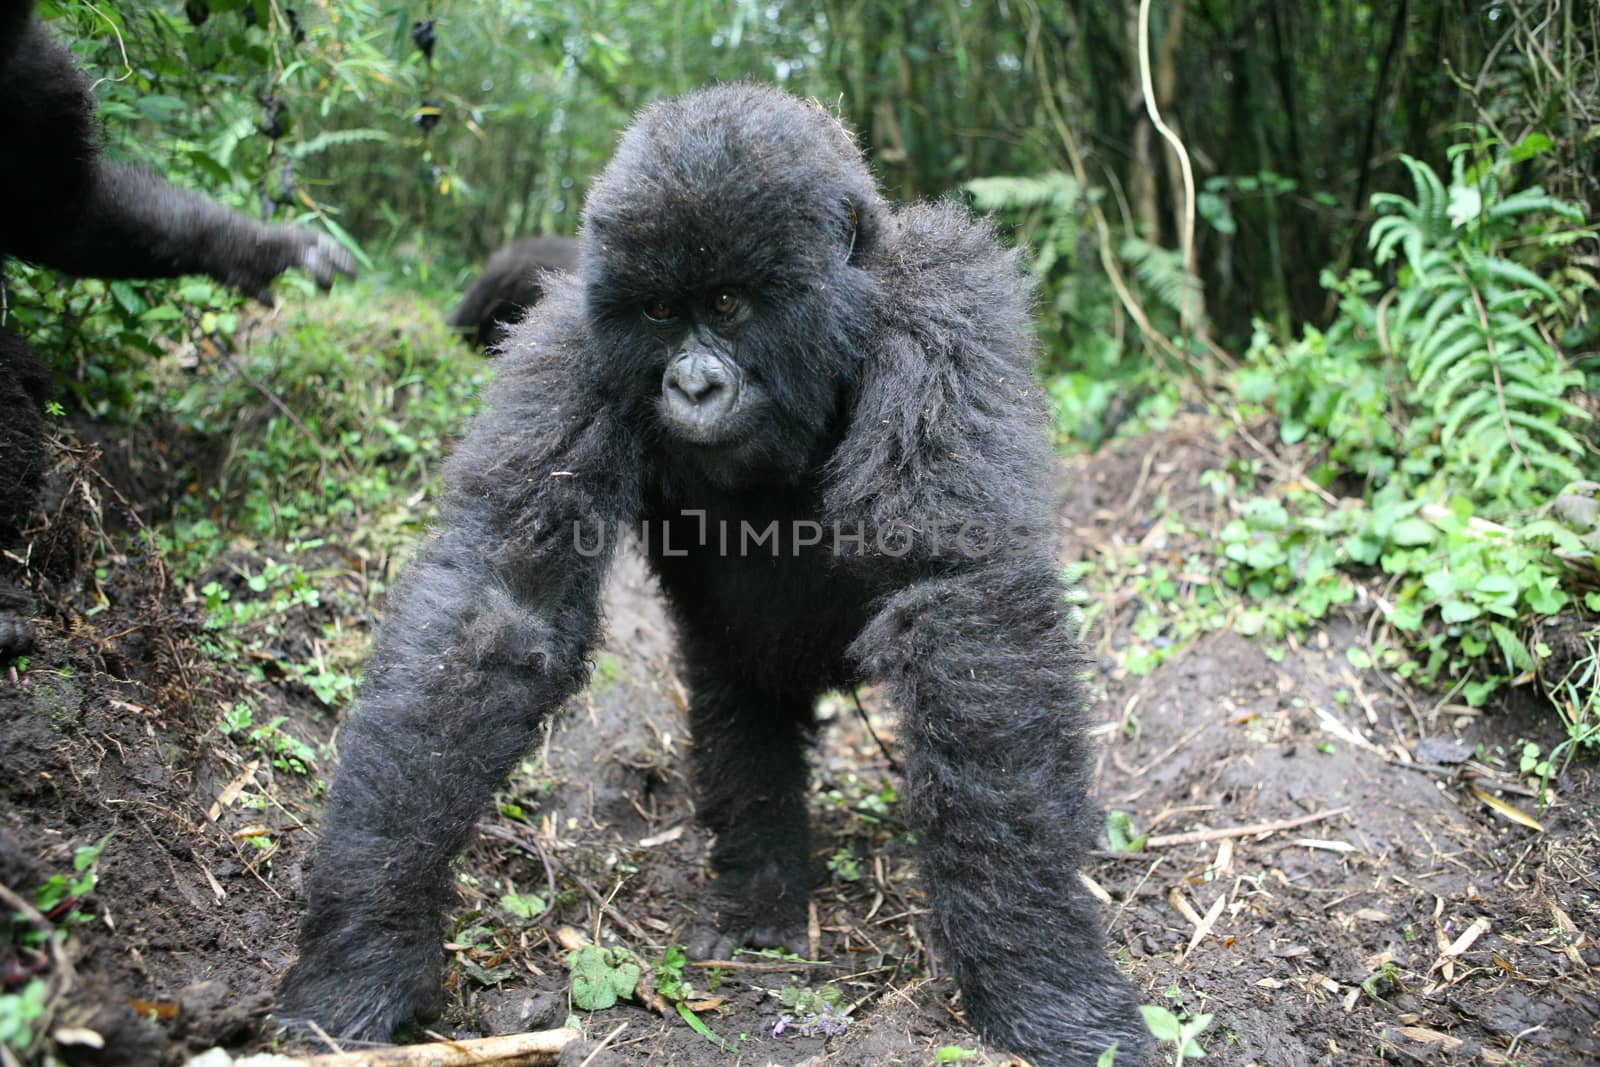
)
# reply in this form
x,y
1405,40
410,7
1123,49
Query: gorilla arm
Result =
x,y
984,668
978,653
486,636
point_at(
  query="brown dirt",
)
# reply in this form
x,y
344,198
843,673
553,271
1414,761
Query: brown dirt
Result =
x,y
112,729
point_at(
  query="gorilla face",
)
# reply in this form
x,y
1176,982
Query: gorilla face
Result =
x,y
727,284
703,399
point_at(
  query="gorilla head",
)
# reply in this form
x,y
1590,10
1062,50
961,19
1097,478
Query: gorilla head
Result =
x,y
727,261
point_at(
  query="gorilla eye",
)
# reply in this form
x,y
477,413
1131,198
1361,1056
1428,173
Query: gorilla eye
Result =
x,y
724,303
659,311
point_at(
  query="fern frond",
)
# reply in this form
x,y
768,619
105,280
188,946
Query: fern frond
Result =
x,y
1503,270
1534,199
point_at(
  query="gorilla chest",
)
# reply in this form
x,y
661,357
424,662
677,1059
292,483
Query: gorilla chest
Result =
x,y
764,587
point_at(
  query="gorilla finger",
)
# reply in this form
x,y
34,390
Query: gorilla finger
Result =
x,y
335,256
323,258
706,942
788,938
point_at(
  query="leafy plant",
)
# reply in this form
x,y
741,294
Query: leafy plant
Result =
x,y
602,976
19,1012
58,898
1466,323
844,866
671,986
1121,833
286,752
524,905
1446,402
1088,371
1169,1027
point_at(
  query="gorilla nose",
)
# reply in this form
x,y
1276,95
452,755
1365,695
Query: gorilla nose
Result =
x,y
697,379
700,389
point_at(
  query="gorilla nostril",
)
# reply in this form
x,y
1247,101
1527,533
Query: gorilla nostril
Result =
x,y
697,387
697,380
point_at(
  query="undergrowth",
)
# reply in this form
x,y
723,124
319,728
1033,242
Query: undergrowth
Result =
x,y
325,429
1447,422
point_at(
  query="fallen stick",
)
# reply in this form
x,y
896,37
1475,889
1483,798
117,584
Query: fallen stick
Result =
x,y
508,1050
1197,837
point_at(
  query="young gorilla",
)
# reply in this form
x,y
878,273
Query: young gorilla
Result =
x,y
757,342
66,207
512,282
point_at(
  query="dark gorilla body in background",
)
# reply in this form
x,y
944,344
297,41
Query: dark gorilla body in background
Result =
x,y
512,282
63,206
755,336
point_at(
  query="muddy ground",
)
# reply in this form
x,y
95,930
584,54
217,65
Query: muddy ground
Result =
x,y
1393,917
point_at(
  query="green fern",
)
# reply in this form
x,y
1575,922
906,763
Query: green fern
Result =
x,y
1160,271
1467,321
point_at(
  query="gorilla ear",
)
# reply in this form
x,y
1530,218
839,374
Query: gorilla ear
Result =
x,y
861,229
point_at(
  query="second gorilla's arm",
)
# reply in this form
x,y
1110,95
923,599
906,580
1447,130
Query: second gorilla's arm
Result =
x,y
132,224
70,208
485,637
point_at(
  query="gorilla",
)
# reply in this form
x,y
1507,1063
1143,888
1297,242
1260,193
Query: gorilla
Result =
x,y
68,208
512,282
817,414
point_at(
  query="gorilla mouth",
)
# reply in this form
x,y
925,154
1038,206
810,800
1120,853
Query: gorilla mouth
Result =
x,y
705,429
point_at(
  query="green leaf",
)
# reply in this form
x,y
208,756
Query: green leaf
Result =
x,y
1122,835
1497,585
602,976
1459,611
1406,615
1516,654
524,905
1531,145
1161,1023
1506,271
1413,531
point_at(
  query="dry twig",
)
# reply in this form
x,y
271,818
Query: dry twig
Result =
x,y
507,1050
1197,837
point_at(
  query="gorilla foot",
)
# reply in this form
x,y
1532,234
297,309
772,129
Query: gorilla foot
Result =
x,y
362,989
705,941
762,905
16,620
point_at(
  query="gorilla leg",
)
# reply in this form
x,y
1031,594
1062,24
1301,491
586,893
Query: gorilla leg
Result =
x,y
22,464
984,669
482,640
463,675
750,779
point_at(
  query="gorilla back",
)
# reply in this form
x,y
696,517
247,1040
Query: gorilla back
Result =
x,y
807,402
512,282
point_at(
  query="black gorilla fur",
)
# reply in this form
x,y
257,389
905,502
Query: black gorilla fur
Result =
x,y
66,207
756,336
512,282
